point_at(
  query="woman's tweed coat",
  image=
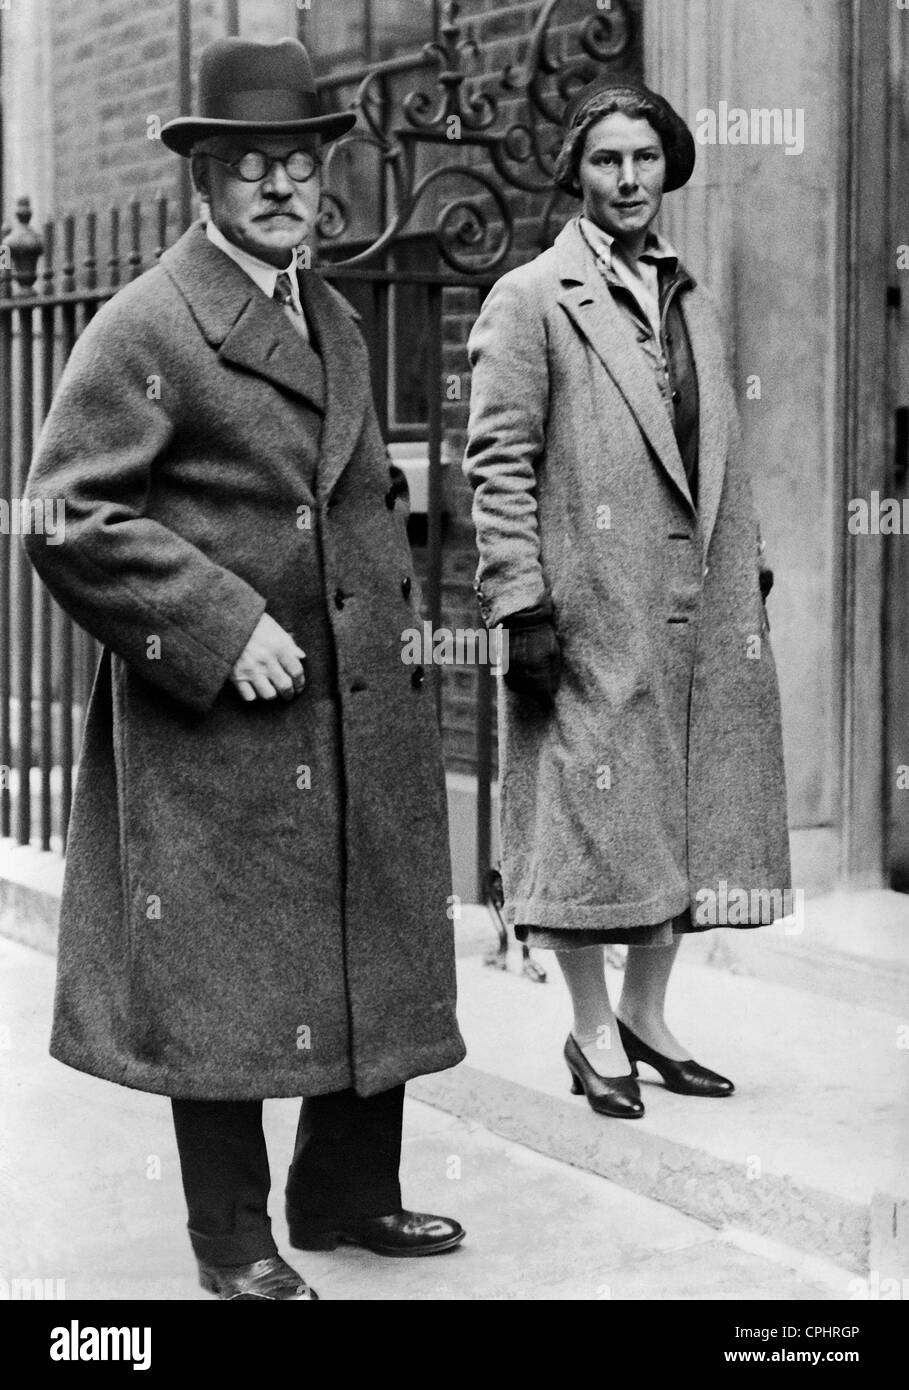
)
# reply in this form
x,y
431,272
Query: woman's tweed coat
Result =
x,y
257,896
658,775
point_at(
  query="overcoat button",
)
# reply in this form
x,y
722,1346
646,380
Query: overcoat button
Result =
x,y
405,586
339,598
417,678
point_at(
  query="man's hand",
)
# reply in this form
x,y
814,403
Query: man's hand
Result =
x,y
270,665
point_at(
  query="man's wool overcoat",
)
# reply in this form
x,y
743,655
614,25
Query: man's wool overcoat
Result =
x,y
658,775
256,899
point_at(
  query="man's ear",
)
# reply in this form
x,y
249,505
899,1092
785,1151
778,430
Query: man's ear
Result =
x,y
199,171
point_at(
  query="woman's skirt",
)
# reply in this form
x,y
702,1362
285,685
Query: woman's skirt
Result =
x,y
659,934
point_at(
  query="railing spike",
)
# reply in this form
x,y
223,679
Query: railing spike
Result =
x,y
91,250
135,238
113,260
161,222
50,270
68,269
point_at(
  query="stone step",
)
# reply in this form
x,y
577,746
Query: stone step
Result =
x,y
850,946
31,882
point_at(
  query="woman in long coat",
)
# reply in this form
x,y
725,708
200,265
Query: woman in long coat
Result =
x,y
642,788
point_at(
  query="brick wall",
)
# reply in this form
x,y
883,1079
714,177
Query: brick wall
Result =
x,y
114,73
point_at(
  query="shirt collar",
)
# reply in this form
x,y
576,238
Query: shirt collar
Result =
x,y
263,274
657,248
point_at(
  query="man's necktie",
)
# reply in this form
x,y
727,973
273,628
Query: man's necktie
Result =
x,y
284,296
283,292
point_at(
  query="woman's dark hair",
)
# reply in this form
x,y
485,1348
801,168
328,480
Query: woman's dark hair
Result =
x,y
568,163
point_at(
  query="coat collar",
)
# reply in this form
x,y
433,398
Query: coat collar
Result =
x,y
251,332
589,303
657,251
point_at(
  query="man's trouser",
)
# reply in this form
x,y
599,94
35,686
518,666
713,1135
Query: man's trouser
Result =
x,y
345,1164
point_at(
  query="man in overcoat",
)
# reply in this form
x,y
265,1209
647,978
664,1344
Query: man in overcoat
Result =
x,y
258,875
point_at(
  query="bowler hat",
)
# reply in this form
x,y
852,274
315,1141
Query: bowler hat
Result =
x,y
255,88
678,142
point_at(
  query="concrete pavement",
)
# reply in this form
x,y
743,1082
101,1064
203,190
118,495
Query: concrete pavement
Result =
x,y
90,1195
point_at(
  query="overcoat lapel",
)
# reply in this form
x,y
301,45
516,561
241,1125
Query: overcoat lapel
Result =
x,y
588,302
347,380
237,319
265,342
251,332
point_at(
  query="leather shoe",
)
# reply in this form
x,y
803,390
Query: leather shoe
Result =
x,y
618,1096
403,1233
686,1078
271,1280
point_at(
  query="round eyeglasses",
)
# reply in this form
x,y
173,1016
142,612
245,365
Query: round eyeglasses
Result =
x,y
253,165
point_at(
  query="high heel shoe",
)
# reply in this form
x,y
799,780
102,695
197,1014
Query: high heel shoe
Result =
x,y
684,1078
617,1096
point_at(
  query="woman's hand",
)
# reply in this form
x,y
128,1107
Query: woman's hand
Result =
x,y
534,664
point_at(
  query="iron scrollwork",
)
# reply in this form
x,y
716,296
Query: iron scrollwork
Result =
x,y
475,233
